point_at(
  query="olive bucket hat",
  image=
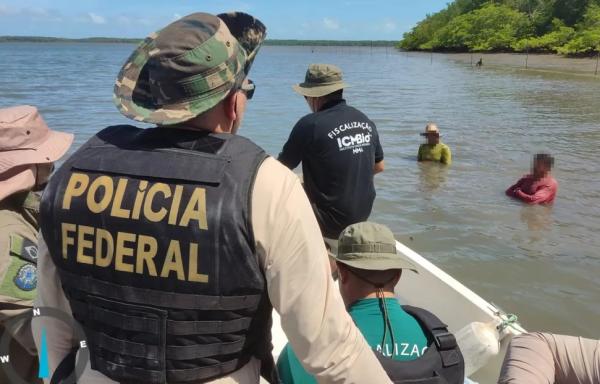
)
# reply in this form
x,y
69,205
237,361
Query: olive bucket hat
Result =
x,y
321,80
188,67
371,246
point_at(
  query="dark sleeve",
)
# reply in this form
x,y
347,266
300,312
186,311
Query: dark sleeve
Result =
x,y
378,148
293,150
511,190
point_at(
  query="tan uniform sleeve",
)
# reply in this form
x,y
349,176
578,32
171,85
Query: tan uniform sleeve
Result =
x,y
293,255
50,294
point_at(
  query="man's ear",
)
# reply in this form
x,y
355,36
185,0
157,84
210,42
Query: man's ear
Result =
x,y
342,273
230,106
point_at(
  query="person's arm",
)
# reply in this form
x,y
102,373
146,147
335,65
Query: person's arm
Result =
x,y
379,167
420,154
59,335
446,155
542,195
548,358
511,190
293,150
293,255
379,163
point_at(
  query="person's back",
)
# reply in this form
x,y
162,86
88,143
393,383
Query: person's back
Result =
x,y
338,167
403,337
340,151
171,245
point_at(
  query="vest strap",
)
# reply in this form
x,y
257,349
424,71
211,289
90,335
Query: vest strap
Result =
x,y
154,352
158,298
149,325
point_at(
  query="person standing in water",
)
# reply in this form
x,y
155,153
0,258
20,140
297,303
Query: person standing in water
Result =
x,y
434,149
538,187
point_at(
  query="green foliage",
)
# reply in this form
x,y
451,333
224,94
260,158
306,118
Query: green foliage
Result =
x,y
490,28
550,42
587,38
569,27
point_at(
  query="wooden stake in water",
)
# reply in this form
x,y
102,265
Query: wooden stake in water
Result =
x,y
471,59
597,60
527,57
431,58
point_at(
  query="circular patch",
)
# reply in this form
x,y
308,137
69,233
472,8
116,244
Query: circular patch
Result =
x,y
26,277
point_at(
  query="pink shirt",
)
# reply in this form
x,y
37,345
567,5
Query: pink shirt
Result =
x,y
533,191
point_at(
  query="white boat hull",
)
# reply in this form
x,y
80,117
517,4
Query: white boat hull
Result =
x,y
438,292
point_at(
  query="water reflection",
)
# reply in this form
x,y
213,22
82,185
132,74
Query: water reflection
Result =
x,y
539,221
432,176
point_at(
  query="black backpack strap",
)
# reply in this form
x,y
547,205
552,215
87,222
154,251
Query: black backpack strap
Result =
x,y
444,341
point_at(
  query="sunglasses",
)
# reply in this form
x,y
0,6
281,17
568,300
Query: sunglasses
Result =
x,y
248,89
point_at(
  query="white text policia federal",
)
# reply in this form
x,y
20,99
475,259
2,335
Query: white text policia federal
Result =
x,y
131,252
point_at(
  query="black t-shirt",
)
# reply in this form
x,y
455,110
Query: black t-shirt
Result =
x,y
338,147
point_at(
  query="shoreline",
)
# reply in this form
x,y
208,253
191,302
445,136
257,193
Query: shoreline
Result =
x,y
541,62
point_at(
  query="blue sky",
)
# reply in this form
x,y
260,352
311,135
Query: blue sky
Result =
x,y
303,19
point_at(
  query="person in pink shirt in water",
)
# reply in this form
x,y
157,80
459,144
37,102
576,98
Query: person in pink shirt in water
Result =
x,y
539,187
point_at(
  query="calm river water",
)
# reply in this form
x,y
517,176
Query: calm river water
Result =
x,y
542,263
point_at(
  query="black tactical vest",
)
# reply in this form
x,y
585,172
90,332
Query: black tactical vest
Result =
x,y
442,362
150,232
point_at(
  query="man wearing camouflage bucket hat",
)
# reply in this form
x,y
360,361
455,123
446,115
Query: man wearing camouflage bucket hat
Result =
x,y
169,245
339,149
370,267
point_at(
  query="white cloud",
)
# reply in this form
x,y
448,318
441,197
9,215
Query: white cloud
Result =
x,y
96,19
331,23
177,16
389,26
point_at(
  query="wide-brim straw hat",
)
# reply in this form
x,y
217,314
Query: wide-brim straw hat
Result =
x,y
26,139
321,80
188,67
371,246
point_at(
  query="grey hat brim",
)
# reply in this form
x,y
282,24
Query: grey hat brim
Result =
x,y
313,90
374,262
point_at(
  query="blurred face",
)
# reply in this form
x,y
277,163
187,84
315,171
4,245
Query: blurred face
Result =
x,y
540,167
433,138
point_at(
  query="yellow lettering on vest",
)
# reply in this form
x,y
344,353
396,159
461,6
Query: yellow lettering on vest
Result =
x,y
76,187
66,240
196,209
139,198
106,184
193,270
151,215
175,203
117,210
83,244
103,236
173,261
122,250
146,251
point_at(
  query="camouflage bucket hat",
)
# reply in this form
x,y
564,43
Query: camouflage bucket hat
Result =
x,y
321,80
371,246
188,67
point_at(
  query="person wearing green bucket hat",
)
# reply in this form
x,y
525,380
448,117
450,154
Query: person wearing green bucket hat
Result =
x,y
339,149
370,267
171,245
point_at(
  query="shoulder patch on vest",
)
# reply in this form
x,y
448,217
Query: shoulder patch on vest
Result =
x,y
26,277
23,248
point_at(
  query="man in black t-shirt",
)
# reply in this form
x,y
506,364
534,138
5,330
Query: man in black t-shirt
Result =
x,y
339,149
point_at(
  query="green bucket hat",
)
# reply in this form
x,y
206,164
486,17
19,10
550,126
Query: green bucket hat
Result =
x,y
371,246
321,80
188,67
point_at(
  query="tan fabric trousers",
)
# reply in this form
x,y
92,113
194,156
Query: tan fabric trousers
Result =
x,y
544,358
